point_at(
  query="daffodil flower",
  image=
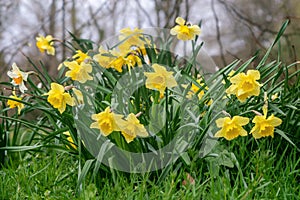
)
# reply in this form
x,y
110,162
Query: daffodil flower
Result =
x,y
185,31
274,96
194,89
245,85
230,74
160,79
78,97
80,56
58,98
18,77
130,39
14,104
70,139
264,126
131,128
104,58
231,128
79,72
106,121
45,44
110,59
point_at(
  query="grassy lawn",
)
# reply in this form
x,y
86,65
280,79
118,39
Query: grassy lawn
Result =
x,y
263,174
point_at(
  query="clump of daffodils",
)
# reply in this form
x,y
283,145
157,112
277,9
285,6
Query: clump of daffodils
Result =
x,y
107,122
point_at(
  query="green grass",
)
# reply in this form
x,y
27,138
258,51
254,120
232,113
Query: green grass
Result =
x,y
263,174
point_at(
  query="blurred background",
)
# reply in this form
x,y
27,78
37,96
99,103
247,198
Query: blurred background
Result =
x,y
231,29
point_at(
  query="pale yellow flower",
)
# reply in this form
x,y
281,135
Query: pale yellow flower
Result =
x,y
185,31
231,128
264,126
160,79
106,121
244,86
132,60
79,72
45,44
118,62
80,56
18,77
70,139
58,98
14,104
104,58
131,128
130,39
230,74
194,89
78,97
116,59
274,96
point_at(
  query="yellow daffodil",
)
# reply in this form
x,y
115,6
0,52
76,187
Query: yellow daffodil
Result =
x,y
274,96
14,104
107,121
231,128
79,72
194,89
264,126
116,59
131,128
104,58
185,31
18,77
160,79
132,60
78,96
58,98
70,139
45,44
80,56
118,63
244,86
130,39
230,74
